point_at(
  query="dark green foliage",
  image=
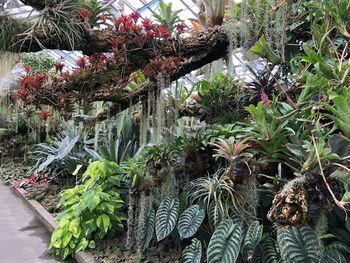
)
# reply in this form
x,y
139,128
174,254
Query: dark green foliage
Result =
x,y
222,98
183,201
63,154
190,220
333,257
149,225
9,29
192,253
270,250
291,143
252,239
269,127
224,245
298,244
166,217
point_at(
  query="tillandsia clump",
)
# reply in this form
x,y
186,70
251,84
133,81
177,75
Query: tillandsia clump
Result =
x,y
229,168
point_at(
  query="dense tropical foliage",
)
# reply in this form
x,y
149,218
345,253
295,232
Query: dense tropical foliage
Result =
x,y
227,169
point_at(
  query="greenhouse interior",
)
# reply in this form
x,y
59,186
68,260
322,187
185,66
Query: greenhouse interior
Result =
x,y
164,131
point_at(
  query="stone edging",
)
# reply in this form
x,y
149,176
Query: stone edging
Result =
x,y
49,222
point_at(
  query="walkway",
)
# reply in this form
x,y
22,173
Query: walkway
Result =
x,y
22,237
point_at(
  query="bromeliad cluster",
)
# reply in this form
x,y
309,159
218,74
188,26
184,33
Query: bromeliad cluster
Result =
x,y
132,24
132,48
28,85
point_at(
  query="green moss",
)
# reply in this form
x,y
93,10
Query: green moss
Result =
x,y
9,29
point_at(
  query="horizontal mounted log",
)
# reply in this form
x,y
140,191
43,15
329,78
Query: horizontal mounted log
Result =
x,y
192,53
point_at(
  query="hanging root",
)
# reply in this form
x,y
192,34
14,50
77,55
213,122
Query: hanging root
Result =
x,y
290,206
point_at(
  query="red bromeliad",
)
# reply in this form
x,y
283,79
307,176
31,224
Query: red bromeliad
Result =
x,y
151,33
82,61
43,115
21,95
124,24
148,24
180,28
27,69
165,65
32,82
59,67
104,17
29,84
135,16
162,31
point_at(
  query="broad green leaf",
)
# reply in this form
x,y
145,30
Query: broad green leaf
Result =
x,y
47,162
103,222
192,253
115,180
190,221
92,244
225,243
83,244
92,202
166,217
56,238
252,238
66,239
148,231
312,56
298,244
333,257
66,146
269,250
263,49
346,197
64,253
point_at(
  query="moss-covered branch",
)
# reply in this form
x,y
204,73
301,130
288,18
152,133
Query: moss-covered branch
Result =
x,y
107,83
